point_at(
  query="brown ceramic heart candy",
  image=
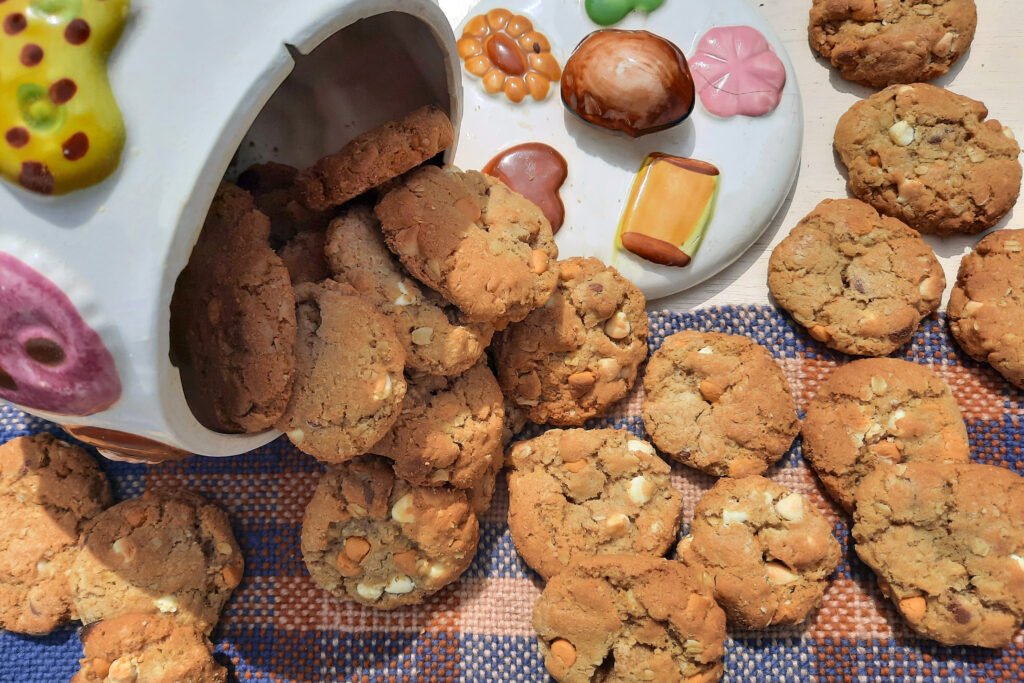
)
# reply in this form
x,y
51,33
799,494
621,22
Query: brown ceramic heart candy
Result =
x,y
535,171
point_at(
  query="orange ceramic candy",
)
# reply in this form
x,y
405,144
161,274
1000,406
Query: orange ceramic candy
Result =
x,y
669,208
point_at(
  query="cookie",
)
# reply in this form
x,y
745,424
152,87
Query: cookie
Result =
x,y
374,157
233,320
303,256
930,158
149,649
348,365
576,493
898,41
48,490
859,282
576,356
719,403
272,186
170,552
629,618
766,551
371,537
485,248
947,544
448,431
987,304
880,411
435,336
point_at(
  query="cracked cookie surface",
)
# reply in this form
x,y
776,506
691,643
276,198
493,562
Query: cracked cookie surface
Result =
x,y
986,306
929,157
859,282
881,42
880,411
718,403
947,545
629,618
573,358
374,538
49,489
170,552
766,551
576,493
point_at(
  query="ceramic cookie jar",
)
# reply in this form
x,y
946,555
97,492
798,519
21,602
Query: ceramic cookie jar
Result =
x,y
114,135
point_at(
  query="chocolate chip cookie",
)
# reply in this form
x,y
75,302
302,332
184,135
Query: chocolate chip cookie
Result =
x,y
371,537
49,489
878,43
374,157
573,358
272,186
880,411
719,403
436,337
766,551
303,256
149,649
349,383
629,618
987,304
485,248
947,544
575,493
233,320
930,158
170,552
859,282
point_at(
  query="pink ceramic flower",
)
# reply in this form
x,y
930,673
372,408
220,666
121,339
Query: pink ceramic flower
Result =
x,y
736,71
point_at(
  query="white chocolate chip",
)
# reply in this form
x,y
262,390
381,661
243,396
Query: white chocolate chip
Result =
x,y
791,507
439,476
44,569
901,133
733,516
167,603
383,388
617,523
404,299
437,570
369,591
976,155
972,307
400,585
1019,560
874,430
402,510
895,418
1008,132
707,351
224,548
779,573
640,489
122,670
878,385
608,369
638,445
124,548
422,335
296,435
617,327
434,268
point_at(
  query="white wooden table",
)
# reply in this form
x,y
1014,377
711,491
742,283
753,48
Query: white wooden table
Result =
x,y
992,71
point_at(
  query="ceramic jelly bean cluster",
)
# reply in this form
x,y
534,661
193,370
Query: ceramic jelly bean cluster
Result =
x,y
62,129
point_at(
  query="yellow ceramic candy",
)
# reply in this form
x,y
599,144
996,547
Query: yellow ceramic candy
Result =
x,y
62,129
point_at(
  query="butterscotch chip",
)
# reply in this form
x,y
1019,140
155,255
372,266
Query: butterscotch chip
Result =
x,y
860,282
629,618
472,239
929,157
172,564
880,411
877,43
374,157
950,536
744,418
420,539
146,648
766,551
986,307
576,493
49,489
576,356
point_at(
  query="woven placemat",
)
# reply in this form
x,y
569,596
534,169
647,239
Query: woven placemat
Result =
x,y
279,626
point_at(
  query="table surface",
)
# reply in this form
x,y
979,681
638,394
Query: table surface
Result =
x,y
992,71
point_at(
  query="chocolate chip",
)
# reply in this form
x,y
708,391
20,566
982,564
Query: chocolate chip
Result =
x,y
596,288
45,351
961,614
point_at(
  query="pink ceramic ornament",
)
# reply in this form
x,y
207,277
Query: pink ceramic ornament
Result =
x,y
736,71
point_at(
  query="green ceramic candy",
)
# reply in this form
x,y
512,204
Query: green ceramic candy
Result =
x,y
608,12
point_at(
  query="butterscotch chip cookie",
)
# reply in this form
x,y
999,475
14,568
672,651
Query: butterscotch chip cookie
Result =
x,y
947,544
170,552
149,649
766,552
304,258
880,42
928,157
371,537
719,403
576,493
485,248
349,382
629,618
233,320
576,356
435,336
859,282
272,186
48,490
987,304
374,157
880,411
